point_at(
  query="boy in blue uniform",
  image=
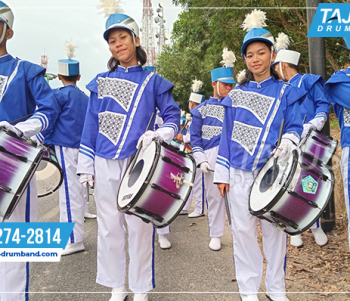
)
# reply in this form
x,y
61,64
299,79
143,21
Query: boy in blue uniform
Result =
x,y
314,109
22,89
337,91
253,114
206,127
121,104
65,138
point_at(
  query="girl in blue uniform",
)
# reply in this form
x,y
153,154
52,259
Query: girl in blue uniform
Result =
x,y
121,103
253,114
23,91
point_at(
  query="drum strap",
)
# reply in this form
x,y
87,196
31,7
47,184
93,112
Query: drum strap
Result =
x,y
12,76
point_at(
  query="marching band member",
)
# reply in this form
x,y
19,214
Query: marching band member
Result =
x,y
121,104
206,130
253,114
198,191
315,108
337,91
23,91
65,137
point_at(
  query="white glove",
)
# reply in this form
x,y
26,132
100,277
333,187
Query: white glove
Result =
x,y
318,122
10,127
307,127
205,167
284,150
86,178
188,117
147,138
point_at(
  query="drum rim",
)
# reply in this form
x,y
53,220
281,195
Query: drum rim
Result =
x,y
145,183
59,170
283,189
29,175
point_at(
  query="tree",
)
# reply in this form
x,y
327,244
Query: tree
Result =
x,y
204,28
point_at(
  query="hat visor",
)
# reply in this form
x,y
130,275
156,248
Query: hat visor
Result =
x,y
227,81
106,33
257,39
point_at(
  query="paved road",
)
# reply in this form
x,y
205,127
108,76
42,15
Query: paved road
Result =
x,y
189,271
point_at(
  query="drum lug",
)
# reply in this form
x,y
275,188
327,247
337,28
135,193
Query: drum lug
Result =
x,y
179,179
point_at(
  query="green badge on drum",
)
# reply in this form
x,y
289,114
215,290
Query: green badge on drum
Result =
x,y
309,184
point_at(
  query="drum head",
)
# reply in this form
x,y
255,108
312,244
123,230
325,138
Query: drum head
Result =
x,y
134,179
268,184
48,177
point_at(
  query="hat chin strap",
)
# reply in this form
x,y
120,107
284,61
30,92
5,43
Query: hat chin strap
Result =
x,y
3,33
282,75
218,88
133,39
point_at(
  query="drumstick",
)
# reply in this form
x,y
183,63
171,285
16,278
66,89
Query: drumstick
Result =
x,y
140,147
20,119
227,207
278,144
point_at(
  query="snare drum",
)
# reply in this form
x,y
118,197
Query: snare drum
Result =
x,y
319,146
19,159
294,198
159,184
49,175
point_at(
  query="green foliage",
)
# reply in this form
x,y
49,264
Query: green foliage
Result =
x,y
204,28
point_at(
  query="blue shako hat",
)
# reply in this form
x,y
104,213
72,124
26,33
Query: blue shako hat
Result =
x,y
253,24
195,96
6,14
69,67
225,73
121,21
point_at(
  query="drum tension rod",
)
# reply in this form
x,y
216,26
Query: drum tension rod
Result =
x,y
19,157
173,195
283,218
297,195
5,188
317,174
322,142
183,168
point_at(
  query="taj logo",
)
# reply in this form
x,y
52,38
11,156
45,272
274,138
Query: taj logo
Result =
x,y
331,20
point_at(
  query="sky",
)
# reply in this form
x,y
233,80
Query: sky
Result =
x,y
43,26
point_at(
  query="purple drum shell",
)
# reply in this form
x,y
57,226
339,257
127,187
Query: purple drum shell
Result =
x,y
159,202
318,150
298,210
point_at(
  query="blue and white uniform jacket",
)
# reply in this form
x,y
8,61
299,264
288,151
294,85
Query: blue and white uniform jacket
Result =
x,y
69,125
315,103
24,91
337,90
206,127
120,107
253,115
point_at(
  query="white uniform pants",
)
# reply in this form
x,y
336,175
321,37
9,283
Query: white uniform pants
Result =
x,y
163,231
216,203
71,192
247,254
198,192
111,256
345,163
14,276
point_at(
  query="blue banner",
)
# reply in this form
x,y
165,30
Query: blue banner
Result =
x,y
331,20
35,235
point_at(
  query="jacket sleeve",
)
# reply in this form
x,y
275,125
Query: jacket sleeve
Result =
x,y
87,148
196,137
46,113
222,166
